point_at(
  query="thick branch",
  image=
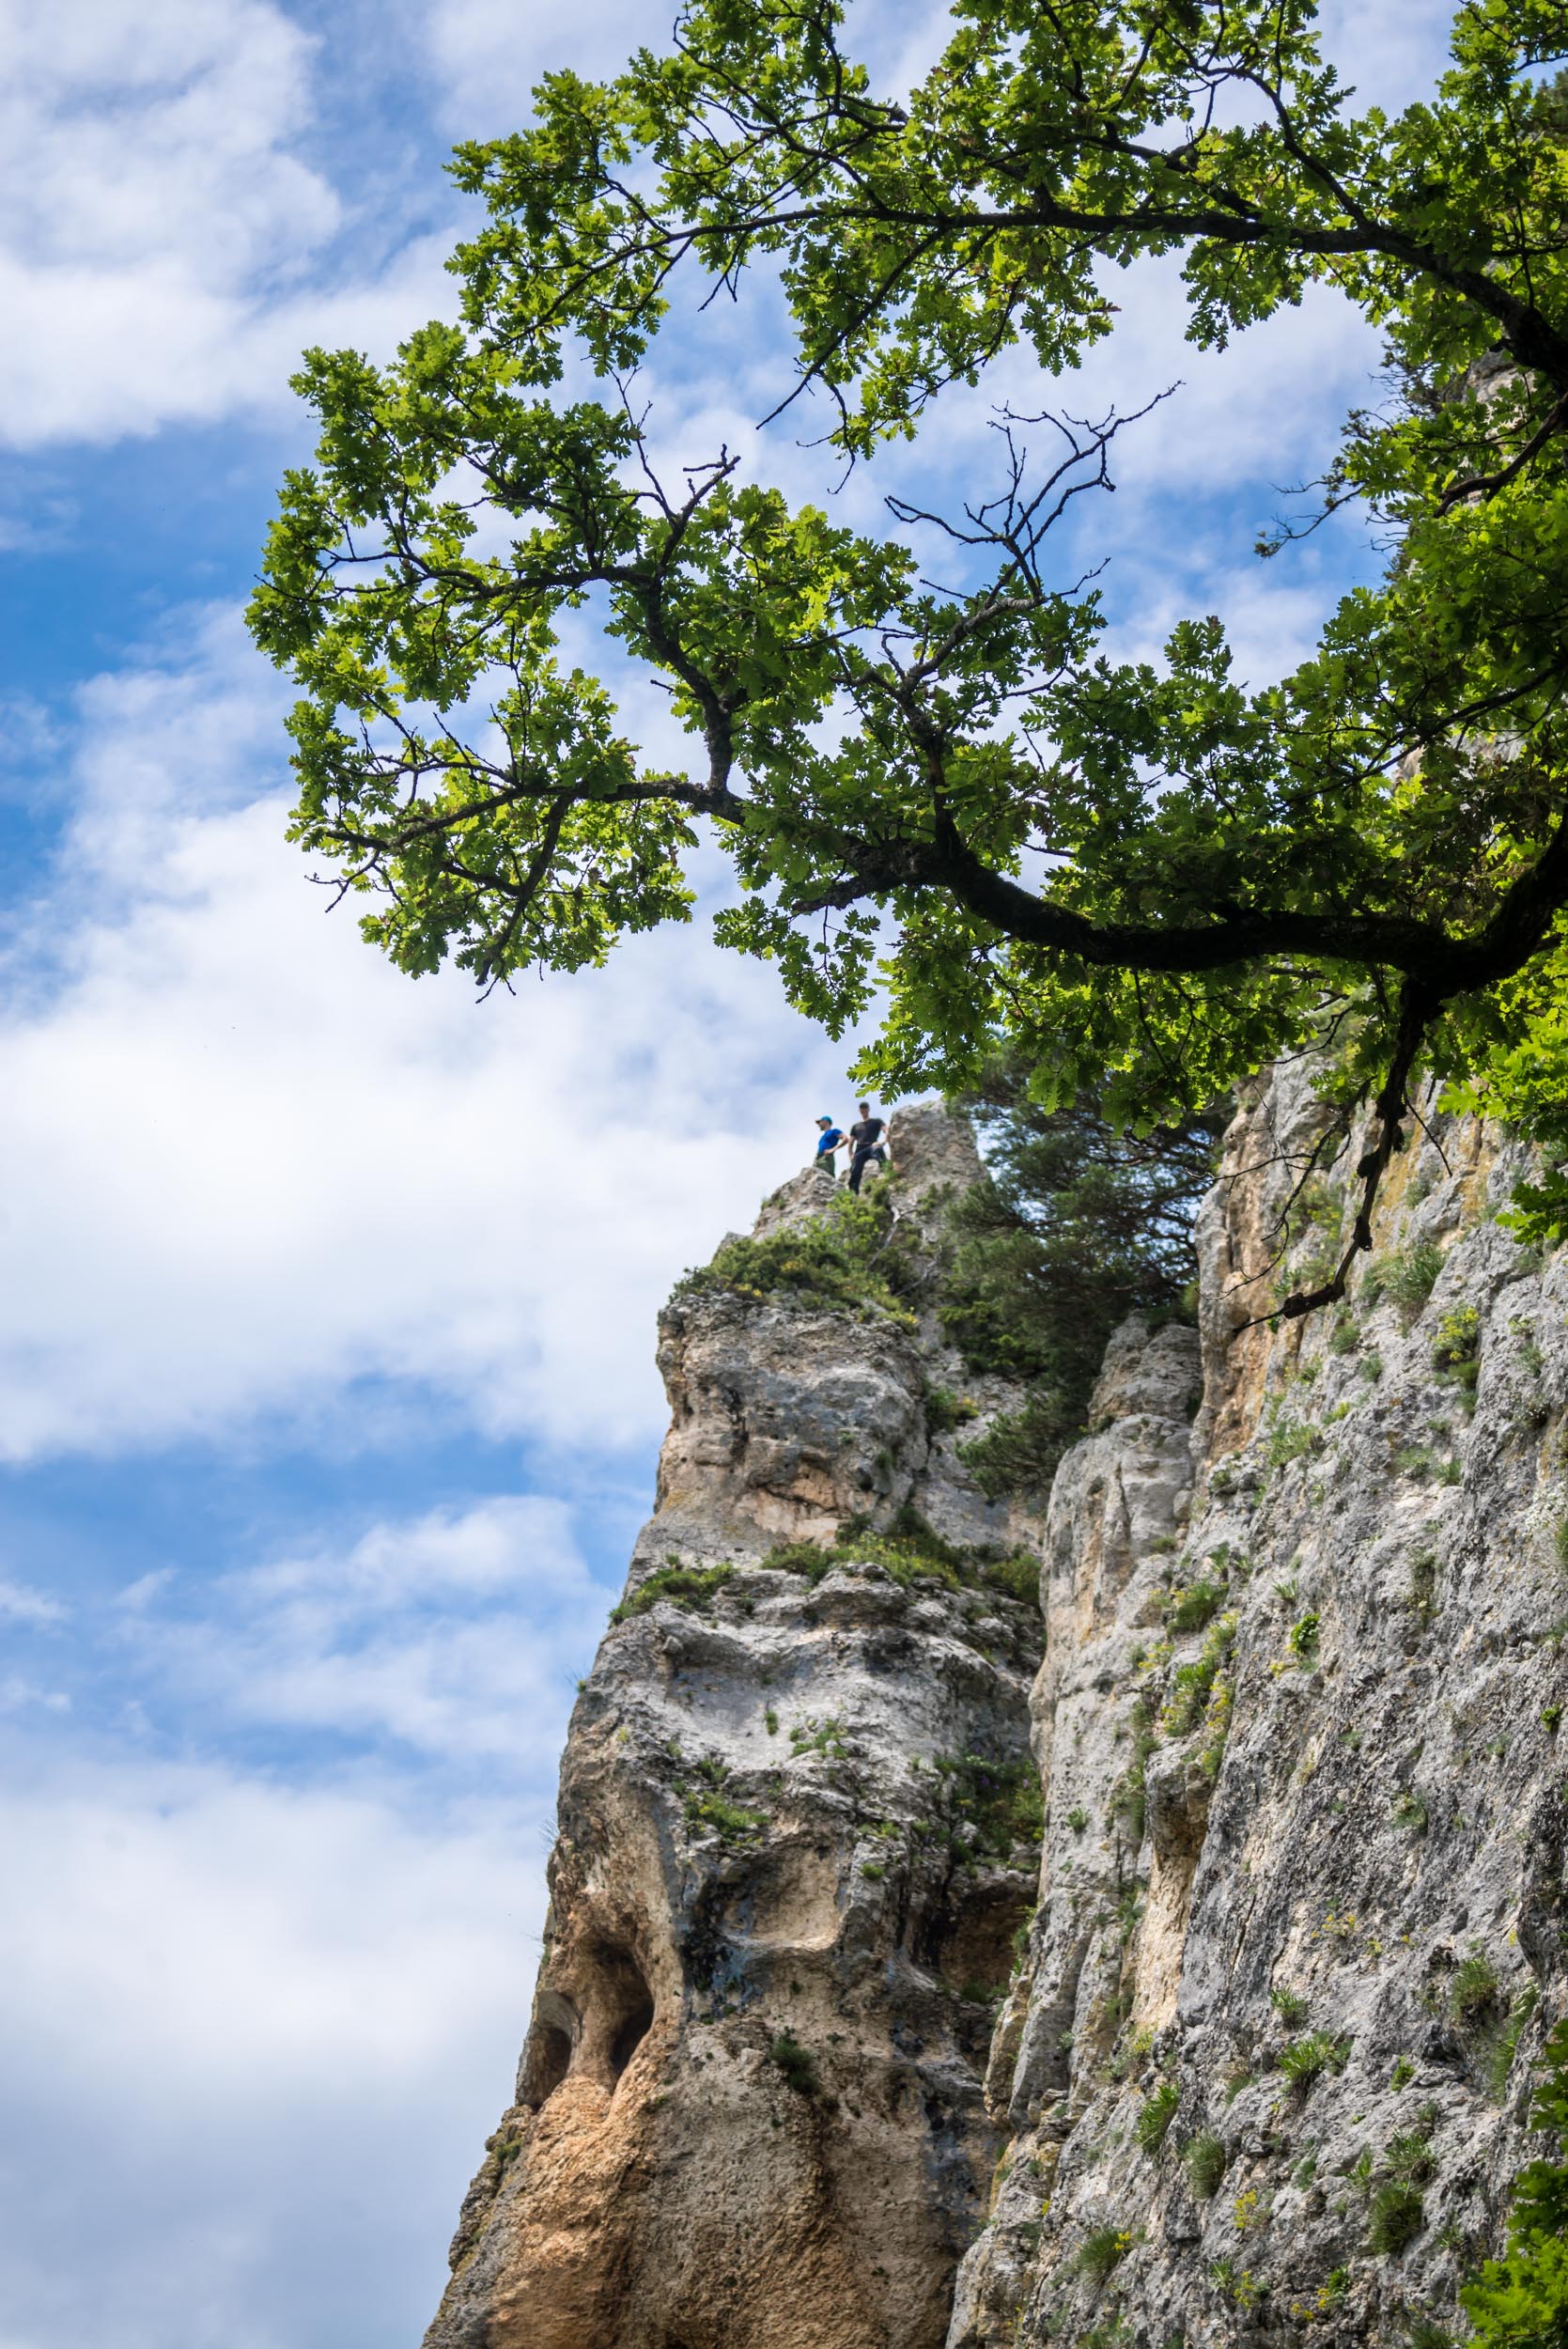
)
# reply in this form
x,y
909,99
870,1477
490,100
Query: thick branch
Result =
x,y
1527,333
1487,485
1416,1011
946,863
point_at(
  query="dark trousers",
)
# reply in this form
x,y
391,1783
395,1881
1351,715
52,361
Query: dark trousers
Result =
x,y
861,1161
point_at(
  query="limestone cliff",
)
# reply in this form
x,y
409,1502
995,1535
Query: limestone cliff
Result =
x,y
1265,2064
798,1834
1255,2066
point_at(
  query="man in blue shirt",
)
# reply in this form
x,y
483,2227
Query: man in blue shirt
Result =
x,y
828,1140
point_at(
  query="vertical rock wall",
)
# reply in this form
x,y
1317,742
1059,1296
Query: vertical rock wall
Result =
x,y
1265,2069
798,1834
1256,2067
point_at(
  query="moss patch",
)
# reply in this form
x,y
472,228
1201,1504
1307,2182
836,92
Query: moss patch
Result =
x,y
692,1587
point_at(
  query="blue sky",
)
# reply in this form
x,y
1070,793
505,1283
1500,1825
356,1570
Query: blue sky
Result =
x,y
327,1397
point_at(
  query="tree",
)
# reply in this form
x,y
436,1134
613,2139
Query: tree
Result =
x,y
1150,880
1520,2301
1073,1227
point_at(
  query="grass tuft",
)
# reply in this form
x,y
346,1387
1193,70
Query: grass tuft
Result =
x,y
1396,2219
1306,2059
1474,1988
1154,2120
1100,2251
797,2063
1204,2158
692,1587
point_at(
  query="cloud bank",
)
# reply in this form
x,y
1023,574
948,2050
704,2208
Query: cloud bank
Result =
x,y
252,1164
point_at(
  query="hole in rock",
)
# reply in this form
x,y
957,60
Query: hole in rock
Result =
x,y
551,2063
621,2006
977,1948
631,2036
551,2046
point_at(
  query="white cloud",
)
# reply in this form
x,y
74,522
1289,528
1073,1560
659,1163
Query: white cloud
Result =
x,y
165,251
487,55
250,1164
19,1695
258,2025
1390,51
453,1636
244,2025
1272,621
19,1603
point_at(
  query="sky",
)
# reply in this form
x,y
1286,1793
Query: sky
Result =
x,y
328,1406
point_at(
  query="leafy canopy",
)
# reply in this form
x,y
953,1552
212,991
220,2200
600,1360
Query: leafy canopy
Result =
x,y
1520,2301
1148,880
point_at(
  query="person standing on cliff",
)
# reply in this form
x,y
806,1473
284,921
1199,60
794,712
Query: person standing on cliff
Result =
x,y
829,1138
865,1144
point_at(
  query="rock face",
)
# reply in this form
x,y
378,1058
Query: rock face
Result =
x,y
1265,2066
798,1834
1257,2067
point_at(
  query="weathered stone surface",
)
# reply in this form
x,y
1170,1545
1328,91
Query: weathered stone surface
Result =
x,y
1358,1842
749,2112
1302,1896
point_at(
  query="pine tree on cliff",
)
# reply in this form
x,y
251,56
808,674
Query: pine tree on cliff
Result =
x,y
1148,878
1073,1228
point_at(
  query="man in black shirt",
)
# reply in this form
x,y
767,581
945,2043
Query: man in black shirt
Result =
x,y
864,1142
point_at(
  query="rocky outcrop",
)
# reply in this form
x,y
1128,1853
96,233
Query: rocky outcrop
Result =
x,y
798,1834
1266,2065
1256,2066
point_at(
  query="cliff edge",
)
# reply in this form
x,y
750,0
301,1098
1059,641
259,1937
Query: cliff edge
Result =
x,y
799,1832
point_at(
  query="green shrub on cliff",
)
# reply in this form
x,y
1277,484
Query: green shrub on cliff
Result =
x,y
1473,1991
729,1821
1204,2158
689,1587
1192,1684
1520,2301
1153,2122
991,1806
851,1258
1306,2059
909,1551
1100,2251
1407,1277
797,2063
1397,2217
945,1411
1194,1605
1456,1346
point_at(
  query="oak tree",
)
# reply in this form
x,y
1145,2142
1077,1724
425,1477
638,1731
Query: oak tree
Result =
x,y
1146,877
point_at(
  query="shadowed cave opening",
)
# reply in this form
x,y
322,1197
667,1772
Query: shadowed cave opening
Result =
x,y
628,2007
619,2008
599,2033
548,2063
630,2036
969,1942
551,2046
